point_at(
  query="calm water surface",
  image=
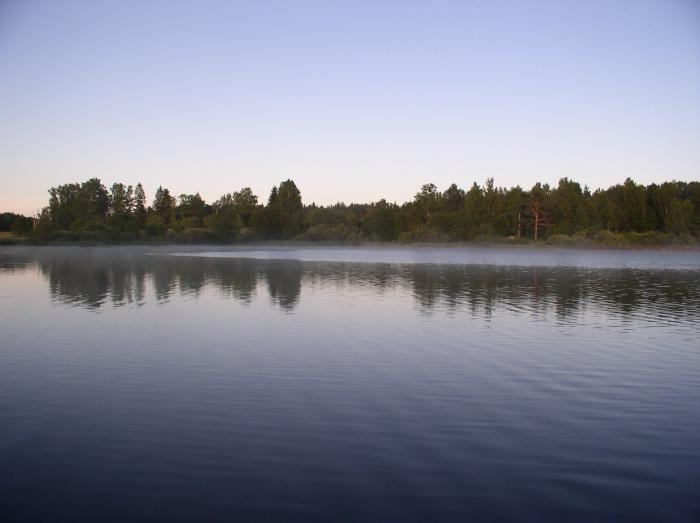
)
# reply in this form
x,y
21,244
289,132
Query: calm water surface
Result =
x,y
349,384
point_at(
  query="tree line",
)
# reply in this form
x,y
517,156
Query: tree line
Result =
x,y
89,210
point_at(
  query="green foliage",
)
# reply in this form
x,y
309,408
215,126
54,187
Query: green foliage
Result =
x,y
164,205
626,214
155,226
244,203
7,219
424,233
16,223
121,199
621,239
76,205
22,226
567,208
290,209
139,207
382,221
238,207
224,222
196,235
192,209
331,233
426,201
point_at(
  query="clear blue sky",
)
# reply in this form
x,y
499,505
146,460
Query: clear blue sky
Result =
x,y
353,100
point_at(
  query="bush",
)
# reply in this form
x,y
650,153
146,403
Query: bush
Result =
x,y
331,233
246,234
607,238
155,226
424,234
195,235
65,236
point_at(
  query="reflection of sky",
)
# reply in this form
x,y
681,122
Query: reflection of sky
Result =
x,y
499,256
279,381
436,306
391,322
354,100
555,290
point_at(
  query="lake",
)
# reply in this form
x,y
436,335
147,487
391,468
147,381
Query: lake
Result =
x,y
383,384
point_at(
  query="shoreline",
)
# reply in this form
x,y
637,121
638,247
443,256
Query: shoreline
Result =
x,y
542,244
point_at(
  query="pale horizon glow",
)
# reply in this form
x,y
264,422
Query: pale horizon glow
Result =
x,y
354,101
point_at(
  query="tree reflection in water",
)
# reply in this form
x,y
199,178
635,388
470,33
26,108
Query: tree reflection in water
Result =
x,y
90,278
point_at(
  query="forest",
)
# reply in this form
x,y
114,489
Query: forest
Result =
x,y
627,213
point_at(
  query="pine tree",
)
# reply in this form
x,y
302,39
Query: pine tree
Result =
x,y
140,206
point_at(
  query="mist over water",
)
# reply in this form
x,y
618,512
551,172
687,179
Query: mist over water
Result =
x,y
382,384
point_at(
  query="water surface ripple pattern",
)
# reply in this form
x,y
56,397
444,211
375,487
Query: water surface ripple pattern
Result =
x,y
349,384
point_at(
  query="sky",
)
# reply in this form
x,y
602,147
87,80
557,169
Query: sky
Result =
x,y
353,100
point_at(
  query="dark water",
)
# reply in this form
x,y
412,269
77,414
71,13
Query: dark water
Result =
x,y
492,384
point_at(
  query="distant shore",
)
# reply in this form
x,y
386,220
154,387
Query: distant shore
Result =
x,y
608,241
